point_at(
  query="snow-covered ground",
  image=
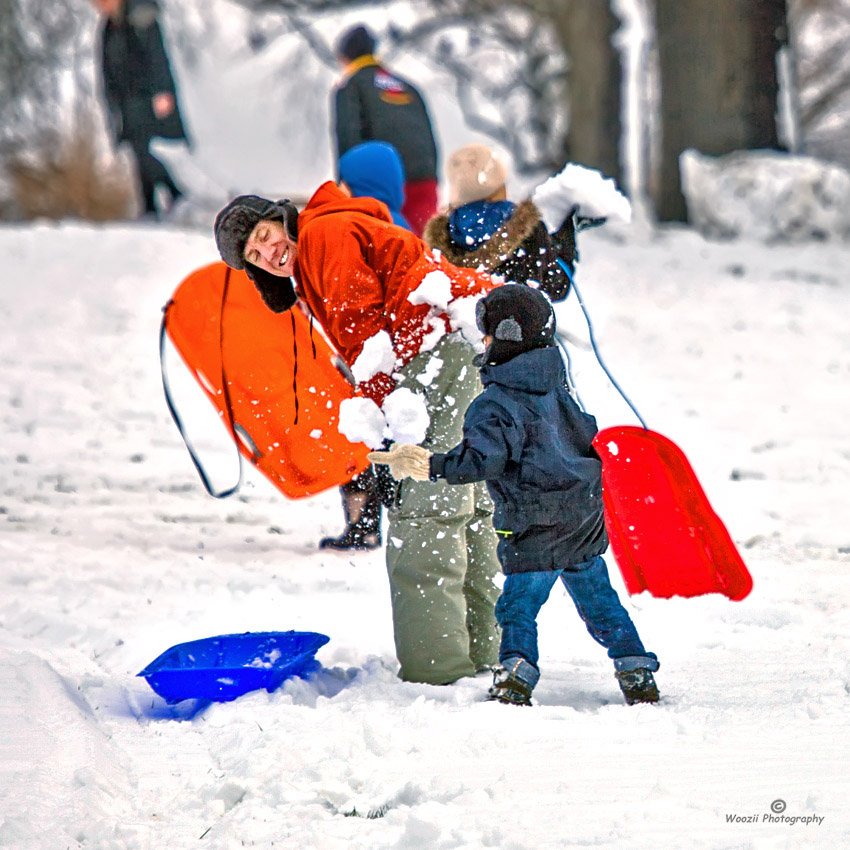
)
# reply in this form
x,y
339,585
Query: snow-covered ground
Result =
x,y
111,552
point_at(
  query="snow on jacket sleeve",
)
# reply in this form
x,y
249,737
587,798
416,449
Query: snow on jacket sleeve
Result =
x,y
537,260
352,307
491,438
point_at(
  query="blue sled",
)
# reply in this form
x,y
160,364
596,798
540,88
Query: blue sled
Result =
x,y
223,668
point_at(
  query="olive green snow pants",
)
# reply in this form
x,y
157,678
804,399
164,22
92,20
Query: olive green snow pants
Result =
x,y
441,546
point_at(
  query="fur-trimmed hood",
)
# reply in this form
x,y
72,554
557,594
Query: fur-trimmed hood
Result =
x,y
503,244
518,247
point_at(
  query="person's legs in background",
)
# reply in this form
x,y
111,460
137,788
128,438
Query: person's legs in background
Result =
x,y
479,589
153,173
362,508
427,565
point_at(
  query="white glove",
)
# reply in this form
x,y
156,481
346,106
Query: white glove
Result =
x,y
405,461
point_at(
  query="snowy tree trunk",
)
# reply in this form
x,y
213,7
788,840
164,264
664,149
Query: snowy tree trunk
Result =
x,y
585,28
719,84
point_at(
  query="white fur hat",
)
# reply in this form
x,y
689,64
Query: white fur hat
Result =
x,y
474,173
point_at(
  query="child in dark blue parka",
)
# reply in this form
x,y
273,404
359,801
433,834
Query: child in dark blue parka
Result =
x,y
528,439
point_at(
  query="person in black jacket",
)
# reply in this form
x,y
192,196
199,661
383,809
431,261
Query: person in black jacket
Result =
x,y
139,90
372,104
527,438
482,229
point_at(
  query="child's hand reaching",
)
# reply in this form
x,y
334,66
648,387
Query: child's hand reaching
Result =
x,y
405,461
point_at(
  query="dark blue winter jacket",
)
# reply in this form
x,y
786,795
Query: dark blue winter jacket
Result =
x,y
375,170
527,438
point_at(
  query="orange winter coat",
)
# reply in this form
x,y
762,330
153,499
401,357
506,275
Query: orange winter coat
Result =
x,y
356,271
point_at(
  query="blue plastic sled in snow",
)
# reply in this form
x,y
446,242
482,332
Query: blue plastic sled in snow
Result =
x,y
225,667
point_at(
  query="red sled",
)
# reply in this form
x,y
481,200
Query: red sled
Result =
x,y
664,534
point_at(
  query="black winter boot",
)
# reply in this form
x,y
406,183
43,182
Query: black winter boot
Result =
x,y
364,532
638,685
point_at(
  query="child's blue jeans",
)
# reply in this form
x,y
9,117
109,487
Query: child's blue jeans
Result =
x,y
608,622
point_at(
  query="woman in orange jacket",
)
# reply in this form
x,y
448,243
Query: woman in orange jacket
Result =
x,y
373,285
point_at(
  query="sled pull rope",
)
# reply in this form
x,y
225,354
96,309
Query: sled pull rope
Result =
x,y
571,384
312,340
593,345
176,416
295,365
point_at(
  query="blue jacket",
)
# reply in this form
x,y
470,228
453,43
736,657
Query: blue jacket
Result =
x,y
527,438
374,170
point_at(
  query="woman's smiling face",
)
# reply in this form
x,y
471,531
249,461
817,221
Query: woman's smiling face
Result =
x,y
270,247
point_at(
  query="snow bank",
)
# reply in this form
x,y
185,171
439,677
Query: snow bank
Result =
x,y
765,195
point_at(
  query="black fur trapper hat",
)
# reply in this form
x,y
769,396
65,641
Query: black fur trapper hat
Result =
x,y
235,223
518,318
355,43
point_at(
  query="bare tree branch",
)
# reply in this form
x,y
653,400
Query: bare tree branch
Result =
x,y
495,52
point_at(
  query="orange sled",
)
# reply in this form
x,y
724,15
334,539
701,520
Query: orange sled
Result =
x,y
664,535
275,381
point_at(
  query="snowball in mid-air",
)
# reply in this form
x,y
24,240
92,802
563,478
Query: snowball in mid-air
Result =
x,y
584,190
377,355
361,421
407,416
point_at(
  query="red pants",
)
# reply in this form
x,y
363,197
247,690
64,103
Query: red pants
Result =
x,y
420,203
